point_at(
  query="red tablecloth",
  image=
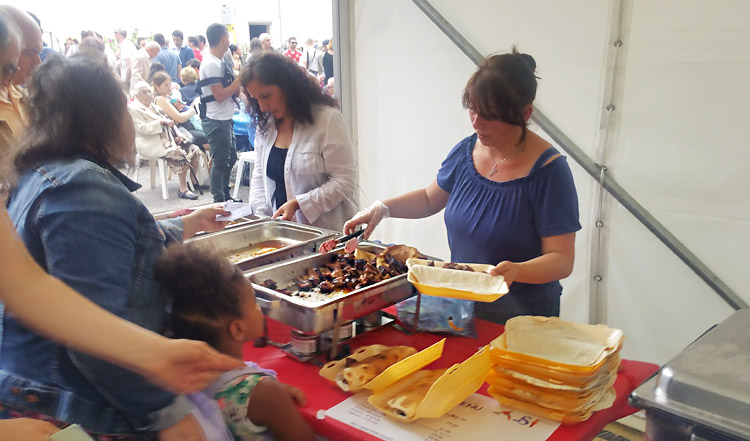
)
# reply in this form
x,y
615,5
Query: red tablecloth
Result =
x,y
323,395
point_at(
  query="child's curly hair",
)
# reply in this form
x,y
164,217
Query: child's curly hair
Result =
x,y
202,284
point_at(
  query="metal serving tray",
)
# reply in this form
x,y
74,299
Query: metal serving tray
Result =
x,y
303,239
314,317
707,385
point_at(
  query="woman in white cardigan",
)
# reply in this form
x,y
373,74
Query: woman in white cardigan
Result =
x,y
304,170
155,138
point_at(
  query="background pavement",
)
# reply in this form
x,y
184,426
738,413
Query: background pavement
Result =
x,y
151,197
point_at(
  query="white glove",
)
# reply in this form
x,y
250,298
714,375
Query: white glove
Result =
x,y
371,216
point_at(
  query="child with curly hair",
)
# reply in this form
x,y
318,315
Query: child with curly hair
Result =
x,y
213,302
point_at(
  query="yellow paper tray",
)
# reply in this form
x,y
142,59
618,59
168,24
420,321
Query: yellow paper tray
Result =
x,y
477,286
389,376
555,374
455,385
564,401
613,338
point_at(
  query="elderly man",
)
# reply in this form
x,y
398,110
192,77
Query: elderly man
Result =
x,y
142,62
265,41
13,98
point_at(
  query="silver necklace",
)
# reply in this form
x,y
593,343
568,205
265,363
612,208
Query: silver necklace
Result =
x,y
493,170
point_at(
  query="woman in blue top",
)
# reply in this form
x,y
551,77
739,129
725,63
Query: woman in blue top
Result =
x,y
508,195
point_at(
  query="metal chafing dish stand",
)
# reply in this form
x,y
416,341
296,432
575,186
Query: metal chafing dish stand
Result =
x,y
302,239
702,394
313,317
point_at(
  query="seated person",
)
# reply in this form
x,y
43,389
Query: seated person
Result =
x,y
155,137
189,78
183,115
212,301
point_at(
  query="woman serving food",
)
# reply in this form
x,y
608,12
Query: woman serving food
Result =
x,y
508,195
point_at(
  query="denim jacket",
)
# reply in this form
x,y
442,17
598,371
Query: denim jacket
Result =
x,y
82,225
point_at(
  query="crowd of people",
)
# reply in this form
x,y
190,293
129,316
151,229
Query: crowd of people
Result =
x,y
139,61
94,281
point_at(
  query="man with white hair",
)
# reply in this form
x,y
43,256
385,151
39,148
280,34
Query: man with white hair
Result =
x,y
265,41
142,62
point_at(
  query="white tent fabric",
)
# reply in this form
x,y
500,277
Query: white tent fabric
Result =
x,y
674,140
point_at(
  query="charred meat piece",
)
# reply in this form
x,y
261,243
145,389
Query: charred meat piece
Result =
x,y
465,268
395,264
334,266
284,291
351,282
339,283
450,265
313,276
325,287
360,264
370,269
325,273
431,263
336,274
270,284
304,285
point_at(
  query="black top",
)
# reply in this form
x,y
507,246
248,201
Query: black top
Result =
x,y
328,66
275,171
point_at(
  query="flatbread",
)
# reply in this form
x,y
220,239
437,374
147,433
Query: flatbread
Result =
x,y
361,372
405,404
553,339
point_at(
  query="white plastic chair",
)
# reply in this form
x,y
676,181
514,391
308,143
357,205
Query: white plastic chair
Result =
x,y
244,158
163,173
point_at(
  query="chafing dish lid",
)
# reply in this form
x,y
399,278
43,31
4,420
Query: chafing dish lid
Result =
x,y
708,383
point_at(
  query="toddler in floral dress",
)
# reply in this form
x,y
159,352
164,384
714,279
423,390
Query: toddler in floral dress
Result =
x,y
212,301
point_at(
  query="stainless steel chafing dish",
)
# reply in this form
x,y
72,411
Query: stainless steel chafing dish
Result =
x,y
703,393
316,316
300,240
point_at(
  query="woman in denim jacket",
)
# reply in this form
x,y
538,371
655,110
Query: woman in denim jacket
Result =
x,y
75,214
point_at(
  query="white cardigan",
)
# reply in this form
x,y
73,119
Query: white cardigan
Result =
x,y
319,171
150,139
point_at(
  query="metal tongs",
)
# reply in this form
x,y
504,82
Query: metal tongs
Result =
x,y
351,243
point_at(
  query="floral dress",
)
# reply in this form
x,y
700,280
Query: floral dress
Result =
x,y
233,398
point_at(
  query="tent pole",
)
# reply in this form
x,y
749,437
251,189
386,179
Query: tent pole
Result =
x,y
599,173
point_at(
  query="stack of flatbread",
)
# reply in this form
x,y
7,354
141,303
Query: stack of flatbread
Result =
x,y
556,369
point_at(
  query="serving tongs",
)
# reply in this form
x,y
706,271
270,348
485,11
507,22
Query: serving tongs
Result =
x,y
352,240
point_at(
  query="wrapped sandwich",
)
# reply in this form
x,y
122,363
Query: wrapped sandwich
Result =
x,y
358,373
405,403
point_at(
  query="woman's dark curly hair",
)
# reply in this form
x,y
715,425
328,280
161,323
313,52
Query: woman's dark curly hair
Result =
x,y
76,107
301,90
502,87
202,285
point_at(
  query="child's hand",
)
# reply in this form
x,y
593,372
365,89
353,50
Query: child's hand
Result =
x,y
295,394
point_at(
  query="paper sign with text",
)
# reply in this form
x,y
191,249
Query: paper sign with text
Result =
x,y
477,418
